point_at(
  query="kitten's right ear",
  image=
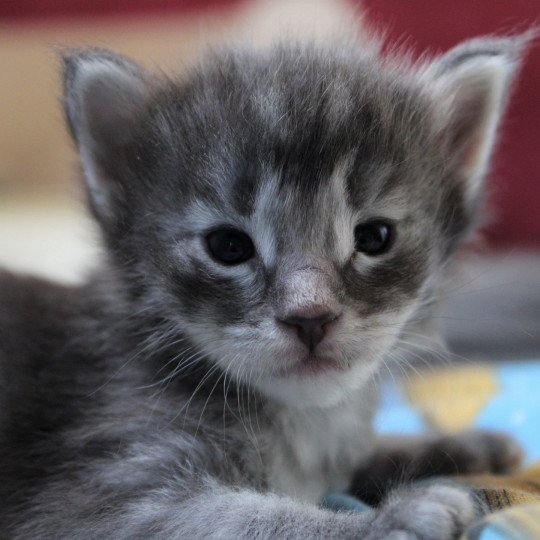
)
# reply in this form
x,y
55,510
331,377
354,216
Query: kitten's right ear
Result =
x,y
103,96
469,85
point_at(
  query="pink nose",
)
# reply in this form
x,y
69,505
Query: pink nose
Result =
x,y
310,325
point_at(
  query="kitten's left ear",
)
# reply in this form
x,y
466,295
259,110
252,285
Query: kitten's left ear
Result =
x,y
470,86
104,94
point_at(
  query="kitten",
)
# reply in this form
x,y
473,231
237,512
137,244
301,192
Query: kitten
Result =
x,y
275,223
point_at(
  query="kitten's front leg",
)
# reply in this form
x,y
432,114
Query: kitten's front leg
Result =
x,y
437,512
397,460
216,511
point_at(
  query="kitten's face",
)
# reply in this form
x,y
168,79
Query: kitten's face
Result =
x,y
313,306
290,213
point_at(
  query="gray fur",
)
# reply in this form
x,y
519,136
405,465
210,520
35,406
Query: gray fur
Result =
x,y
163,398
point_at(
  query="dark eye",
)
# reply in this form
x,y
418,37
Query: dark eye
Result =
x,y
373,237
230,246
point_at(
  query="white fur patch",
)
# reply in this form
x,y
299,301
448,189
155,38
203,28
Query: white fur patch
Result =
x,y
313,450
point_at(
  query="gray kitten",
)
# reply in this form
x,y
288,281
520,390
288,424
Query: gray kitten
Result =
x,y
277,224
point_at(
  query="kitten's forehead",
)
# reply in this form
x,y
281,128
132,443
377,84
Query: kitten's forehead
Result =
x,y
285,219
296,151
298,119
305,219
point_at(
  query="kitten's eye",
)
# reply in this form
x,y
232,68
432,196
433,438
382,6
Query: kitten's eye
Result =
x,y
230,246
373,237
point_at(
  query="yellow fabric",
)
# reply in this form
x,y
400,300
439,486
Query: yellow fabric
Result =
x,y
450,399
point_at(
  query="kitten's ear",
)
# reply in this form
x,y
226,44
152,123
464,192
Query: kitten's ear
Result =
x,y
103,95
470,86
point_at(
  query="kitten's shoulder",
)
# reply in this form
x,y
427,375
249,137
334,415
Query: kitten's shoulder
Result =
x,y
28,303
39,317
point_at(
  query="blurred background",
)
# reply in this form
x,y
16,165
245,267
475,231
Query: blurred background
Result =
x,y
493,311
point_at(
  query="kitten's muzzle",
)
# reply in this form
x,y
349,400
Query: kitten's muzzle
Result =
x,y
311,325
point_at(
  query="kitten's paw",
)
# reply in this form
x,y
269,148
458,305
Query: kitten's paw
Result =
x,y
470,452
481,451
438,511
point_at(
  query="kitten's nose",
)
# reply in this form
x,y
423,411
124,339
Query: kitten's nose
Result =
x,y
310,325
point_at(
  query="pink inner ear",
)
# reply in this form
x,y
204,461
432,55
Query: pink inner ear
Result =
x,y
473,154
478,103
111,109
468,143
109,98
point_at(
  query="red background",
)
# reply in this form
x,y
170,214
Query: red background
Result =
x,y
433,25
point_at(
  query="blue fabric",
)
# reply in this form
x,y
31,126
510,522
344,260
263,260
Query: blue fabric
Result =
x,y
340,502
515,409
491,534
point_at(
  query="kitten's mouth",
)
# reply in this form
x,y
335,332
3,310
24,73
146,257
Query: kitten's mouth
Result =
x,y
313,364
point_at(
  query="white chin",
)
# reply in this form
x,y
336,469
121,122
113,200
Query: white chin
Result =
x,y
323,390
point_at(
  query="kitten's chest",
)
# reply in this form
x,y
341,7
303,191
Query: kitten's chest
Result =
x,y
310,452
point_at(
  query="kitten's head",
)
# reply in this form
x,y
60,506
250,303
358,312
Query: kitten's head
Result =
x,y
290,210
